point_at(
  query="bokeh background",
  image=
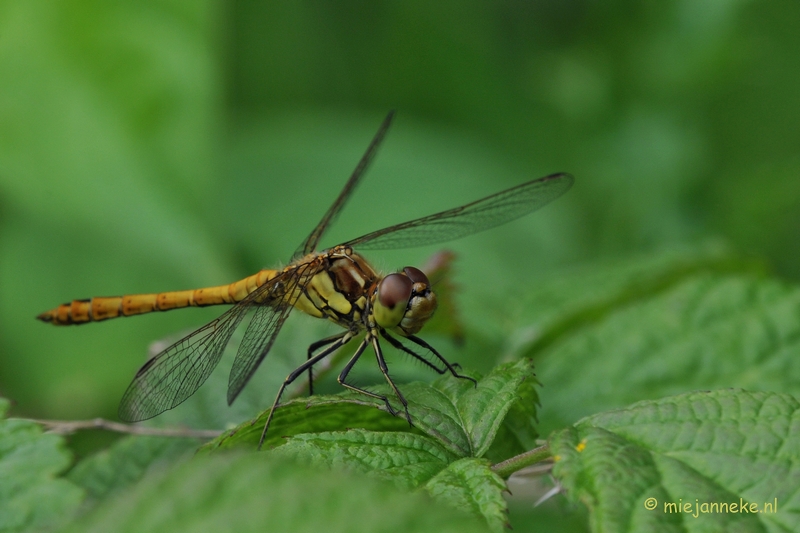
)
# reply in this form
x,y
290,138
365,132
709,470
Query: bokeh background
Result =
x,y
164,145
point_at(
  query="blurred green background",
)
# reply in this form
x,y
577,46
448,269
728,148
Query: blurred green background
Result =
x,y
164,145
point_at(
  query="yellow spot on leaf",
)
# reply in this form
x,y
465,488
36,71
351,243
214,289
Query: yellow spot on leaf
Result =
x,y
581,446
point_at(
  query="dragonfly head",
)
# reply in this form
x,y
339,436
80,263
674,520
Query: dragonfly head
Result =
x,y
404,301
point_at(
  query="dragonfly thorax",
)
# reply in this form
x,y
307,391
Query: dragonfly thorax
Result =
x,y
347,290
340,288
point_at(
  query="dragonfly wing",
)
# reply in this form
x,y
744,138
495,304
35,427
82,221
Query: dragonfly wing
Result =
x,y
258,339
173,375
169,378
477,216
310,244
265,326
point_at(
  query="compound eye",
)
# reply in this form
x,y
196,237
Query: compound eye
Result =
x,y
394,292
394,289
416,275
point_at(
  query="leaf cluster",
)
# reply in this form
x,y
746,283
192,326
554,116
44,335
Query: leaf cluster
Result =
x,y
641,329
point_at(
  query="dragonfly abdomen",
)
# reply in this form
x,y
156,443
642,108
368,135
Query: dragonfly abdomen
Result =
x,y
105,307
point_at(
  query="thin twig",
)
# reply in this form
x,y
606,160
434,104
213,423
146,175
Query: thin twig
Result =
x,y
66,427
536,470
505,468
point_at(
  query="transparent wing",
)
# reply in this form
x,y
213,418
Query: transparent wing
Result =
x,y
262,332
169,378
311,242
477,216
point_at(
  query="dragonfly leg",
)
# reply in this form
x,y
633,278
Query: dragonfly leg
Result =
x,y
313,348
385,369
451,367
402,347
343,339
349,366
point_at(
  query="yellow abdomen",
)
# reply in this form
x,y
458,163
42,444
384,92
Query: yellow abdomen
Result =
x,y
103,308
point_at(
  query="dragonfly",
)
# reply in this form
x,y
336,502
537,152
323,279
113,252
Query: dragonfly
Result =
x,y
337,284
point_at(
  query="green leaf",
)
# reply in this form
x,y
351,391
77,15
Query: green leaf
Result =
x,y
721,447
461,417
519,430
126,461
469,483
484,407
406,459
31,495
569,300
452,419
306,415
706,332
236,492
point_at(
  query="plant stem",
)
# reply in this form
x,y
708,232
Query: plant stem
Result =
x,y
66,427
505,468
